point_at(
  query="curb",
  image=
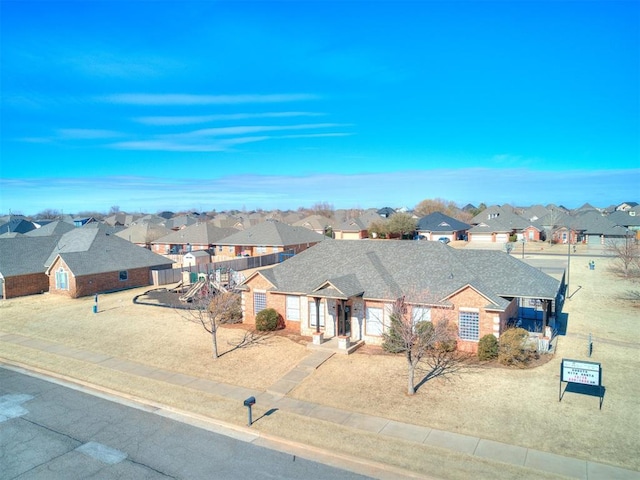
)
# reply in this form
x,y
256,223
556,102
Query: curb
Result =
x,y
245,434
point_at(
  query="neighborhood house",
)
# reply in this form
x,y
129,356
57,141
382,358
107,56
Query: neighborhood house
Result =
x,y
347,289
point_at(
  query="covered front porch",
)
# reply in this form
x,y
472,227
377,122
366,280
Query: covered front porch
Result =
x,y
342,298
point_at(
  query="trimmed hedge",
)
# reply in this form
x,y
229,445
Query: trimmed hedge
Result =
x,y
488,347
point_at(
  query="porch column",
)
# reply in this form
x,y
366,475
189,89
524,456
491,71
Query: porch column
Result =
x,y
545,314
317,302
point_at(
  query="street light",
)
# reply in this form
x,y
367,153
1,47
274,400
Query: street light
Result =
x,y
523,247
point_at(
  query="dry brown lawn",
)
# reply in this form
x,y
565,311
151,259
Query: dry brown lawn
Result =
x,y
512,406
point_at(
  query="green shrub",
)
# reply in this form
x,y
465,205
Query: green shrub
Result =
x,y
267,320
513,348
393,341
488,347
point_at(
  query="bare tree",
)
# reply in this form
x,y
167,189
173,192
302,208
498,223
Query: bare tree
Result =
x,y
552,222
48,214
626,253
324,209
428,206
426,342
211,308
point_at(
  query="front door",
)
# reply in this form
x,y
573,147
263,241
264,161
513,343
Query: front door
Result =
x,y
344,320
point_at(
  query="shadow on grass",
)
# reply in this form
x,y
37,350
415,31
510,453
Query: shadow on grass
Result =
x,y
590,390
268,413
445,365
562,321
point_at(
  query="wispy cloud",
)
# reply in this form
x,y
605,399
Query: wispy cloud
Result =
x,y
86,134
172,146
214,139
245,129
195,119
214,145
190,99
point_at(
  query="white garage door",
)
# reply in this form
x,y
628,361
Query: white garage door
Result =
x,y
481,237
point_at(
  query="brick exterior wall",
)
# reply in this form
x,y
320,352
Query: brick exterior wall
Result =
x,y
490,322
22,285
531,237
260,284
469,298
97,283
252,251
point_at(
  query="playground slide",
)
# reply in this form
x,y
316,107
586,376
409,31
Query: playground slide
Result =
x,y
193,290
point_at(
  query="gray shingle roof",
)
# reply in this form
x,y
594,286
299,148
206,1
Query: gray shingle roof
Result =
x,y
490,226
426,272
593,223
24,255
273,233
204,233
90,251
144,232
623,219
54,228
439,222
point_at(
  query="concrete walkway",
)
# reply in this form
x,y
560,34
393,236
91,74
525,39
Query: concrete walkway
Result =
x,y
275,398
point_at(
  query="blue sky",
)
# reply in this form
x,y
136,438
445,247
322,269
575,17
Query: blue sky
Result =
x,y
230,105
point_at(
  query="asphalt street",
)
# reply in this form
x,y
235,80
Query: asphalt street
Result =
x,y
49,431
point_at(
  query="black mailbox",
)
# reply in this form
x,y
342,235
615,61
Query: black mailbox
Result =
x,y
249,402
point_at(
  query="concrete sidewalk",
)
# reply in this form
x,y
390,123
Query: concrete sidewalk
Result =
x,y
275,398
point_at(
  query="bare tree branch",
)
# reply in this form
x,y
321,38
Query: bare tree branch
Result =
x,y
423,341
211,308
626,253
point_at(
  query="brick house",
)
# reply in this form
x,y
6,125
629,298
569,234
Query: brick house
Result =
x,y
270,236
22,264
348,288
199,236
490,231
437,225
90,260
533,233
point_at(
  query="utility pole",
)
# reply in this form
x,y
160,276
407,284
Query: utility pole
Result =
x,y
568,261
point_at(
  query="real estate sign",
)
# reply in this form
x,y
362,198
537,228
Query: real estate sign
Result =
x,y
581,373
586,373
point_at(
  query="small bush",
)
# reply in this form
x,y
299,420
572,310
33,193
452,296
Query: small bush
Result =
x,y
513,348
488,347
267,320
393,341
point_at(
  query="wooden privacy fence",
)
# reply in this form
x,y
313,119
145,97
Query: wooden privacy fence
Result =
x,y
174,275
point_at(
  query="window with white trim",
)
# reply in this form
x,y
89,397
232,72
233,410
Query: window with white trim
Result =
x,y
420,314
312,313
62,279
259,302
261,249
293,307
374,325
469,326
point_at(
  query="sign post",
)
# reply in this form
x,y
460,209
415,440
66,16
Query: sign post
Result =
x,y
581,373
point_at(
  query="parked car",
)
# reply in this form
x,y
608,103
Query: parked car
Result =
x,y
444,240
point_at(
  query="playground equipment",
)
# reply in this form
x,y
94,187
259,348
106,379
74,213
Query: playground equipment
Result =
x,y
219,281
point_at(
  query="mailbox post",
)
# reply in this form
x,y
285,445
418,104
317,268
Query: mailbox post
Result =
x,y
249,402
